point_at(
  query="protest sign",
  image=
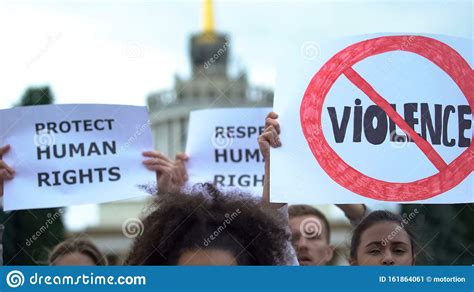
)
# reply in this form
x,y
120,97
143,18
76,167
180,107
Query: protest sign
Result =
x,y
75,154
223,147
377,117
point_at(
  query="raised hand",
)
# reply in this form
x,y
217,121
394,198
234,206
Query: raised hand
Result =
x,y
6,172
171,175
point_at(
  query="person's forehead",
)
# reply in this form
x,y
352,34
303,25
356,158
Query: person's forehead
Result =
x,y
296,222
385,232
207,257
75,257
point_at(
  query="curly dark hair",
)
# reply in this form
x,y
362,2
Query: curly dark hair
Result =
x,y
206,218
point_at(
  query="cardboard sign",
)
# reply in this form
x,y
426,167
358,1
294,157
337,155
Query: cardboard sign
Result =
x,y
223,148
75,154
379,117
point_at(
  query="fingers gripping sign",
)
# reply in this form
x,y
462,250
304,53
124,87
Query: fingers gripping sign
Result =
x,y
238,162
180,166
270,136
6,172
171,175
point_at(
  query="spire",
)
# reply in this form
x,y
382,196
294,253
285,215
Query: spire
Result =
x,y
208,17
209,49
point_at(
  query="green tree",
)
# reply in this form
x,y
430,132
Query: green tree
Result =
x,y
30,234
37,96
444,233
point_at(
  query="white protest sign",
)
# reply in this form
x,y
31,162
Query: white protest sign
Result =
x,y
223,147
75,154
384,117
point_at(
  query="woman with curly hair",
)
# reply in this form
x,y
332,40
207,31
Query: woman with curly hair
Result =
x,y
209,227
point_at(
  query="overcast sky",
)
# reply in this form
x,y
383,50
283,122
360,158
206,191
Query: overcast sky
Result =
x,y
120,51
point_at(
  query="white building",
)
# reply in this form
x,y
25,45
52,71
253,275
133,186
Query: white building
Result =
x,y
210,86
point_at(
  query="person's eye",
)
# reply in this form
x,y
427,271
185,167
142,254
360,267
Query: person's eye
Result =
x,y
374,251
399,251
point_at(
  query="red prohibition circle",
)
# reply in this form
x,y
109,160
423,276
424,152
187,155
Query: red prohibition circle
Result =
x,y
439,53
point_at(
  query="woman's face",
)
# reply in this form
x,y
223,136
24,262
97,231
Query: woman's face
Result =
x,y
74,259
384,243
207,257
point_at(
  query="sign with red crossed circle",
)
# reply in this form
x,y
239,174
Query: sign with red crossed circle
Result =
x,y
449,175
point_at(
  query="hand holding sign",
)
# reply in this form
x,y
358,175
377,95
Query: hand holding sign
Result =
x,y
271,135
271,138
225,141
171,175
6,172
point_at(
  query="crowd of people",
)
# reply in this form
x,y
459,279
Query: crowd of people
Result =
x,y
205,225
